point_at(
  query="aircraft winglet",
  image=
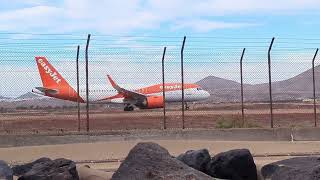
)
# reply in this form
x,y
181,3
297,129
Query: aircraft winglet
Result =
x,y
125,92
114,84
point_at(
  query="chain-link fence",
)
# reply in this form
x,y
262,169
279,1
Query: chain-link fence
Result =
x,y
239,88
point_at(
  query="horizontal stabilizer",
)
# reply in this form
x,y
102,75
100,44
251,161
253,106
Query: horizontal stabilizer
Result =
x,y
47,90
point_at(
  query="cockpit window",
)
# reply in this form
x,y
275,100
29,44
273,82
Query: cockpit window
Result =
x,y
199,88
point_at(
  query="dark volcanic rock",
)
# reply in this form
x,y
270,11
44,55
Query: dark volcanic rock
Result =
x,y
151,161
196,159
52,170
236,164
299,168
5,171
22,169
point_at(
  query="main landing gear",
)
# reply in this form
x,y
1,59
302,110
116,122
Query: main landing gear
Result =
x,y
128,107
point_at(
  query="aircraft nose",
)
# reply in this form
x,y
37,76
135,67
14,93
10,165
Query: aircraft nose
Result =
x,y
206,94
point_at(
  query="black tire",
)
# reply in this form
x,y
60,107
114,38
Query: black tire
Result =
x,y
130,108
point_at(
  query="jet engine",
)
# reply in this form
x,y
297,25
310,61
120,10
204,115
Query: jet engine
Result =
x,y
151,102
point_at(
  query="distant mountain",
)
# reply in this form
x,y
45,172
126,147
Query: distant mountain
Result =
x,y
28,95
41,102
295,88
221,90
213,83
299,86
4,98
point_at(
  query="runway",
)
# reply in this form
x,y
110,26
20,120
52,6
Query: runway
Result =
x,y
113,151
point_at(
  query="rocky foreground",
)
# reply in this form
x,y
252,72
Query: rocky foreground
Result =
x,y
151,161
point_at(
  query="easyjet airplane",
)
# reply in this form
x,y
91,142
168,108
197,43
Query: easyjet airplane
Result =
x,y
147,97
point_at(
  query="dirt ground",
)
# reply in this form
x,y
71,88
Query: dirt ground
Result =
x,y
199,116
108,155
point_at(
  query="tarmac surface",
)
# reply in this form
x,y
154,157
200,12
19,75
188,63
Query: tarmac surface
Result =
x,y
108,155
105,150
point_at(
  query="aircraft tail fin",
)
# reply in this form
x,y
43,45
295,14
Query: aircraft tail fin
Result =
x,y
50,77
54,84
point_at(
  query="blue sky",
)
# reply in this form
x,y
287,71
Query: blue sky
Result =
x,y
128,37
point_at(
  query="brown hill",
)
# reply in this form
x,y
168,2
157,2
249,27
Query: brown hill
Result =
x,y
221,90
296,88
216,83
3,98
28,95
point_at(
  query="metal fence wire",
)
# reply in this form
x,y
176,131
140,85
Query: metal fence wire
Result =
x,y
135,82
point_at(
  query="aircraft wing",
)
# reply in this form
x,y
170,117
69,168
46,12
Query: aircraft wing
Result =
x,y
127,93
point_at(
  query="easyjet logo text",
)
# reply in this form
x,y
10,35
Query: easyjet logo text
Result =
x,y
173,87
47,70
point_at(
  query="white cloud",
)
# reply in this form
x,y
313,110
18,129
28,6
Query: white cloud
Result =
x,y
33,2
206,25
109,16
189,8
38,17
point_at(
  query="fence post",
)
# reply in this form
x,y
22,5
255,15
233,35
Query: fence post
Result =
x,y
270,86
163,90
78,98
182,82
87,83
314,89
241,79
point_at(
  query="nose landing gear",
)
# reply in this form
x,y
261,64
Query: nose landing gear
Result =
x,y
128,107
186,106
